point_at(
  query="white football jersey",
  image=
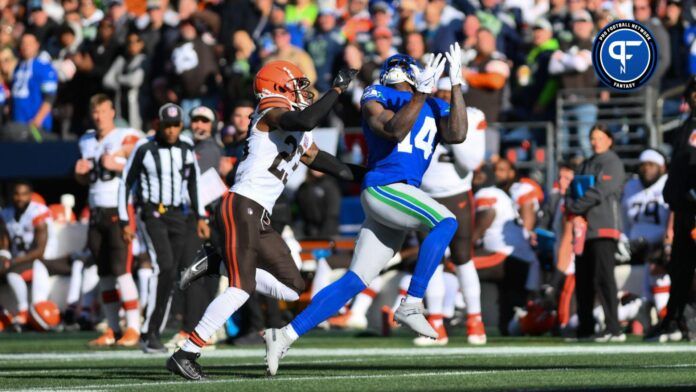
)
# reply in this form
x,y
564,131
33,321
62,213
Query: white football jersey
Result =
x,y
21,230
505,235
645,210
269,160
103,184
523,192
452,166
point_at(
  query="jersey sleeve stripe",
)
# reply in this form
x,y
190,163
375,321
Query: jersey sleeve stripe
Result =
x,y
527,197
484,202
373,191
41,218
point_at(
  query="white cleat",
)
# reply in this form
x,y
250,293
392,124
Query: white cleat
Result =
x,y
412,315
357,321
277,344
422,341
476,340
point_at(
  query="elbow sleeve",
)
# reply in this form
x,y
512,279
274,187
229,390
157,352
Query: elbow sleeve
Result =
x,y
329,164
309,118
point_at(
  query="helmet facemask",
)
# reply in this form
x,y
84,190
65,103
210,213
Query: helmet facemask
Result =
x,y
397,69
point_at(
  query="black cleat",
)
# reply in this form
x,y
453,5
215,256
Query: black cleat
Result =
x,y
184,364
151,344
206,258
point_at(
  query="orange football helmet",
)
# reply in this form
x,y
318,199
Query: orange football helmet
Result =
x,y
282,84
44,316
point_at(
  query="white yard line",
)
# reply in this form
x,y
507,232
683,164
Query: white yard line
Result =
x,y
560,350
292,379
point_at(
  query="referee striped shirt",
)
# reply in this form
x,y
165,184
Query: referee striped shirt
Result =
x,y
160,174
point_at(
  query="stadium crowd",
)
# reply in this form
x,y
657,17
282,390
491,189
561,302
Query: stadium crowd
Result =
x,y
56,57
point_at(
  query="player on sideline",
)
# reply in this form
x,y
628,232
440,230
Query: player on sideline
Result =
x,y
280,138
448,181
104,151
402,126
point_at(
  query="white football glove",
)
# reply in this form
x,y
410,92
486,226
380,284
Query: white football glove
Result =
x,y
454,57
623,254
426,78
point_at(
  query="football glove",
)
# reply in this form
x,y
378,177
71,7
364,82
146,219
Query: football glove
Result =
x,y
427,78
454,57
344,77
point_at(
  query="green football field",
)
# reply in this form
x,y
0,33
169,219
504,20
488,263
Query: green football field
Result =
x,y
339,361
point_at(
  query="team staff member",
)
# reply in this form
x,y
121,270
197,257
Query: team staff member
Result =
x,y
600,206
164,167
680,194
103,151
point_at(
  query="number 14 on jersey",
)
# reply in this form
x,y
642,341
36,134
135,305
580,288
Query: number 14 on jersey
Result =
x,y
423,141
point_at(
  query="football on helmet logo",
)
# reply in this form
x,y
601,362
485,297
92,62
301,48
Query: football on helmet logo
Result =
x,y
624,55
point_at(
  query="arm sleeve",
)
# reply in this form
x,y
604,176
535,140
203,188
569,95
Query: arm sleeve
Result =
x,y
192,183
128,177
329,164
609,180
309,118
49,83
109,79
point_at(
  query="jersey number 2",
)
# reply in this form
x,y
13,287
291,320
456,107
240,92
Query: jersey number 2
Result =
x,y
281,173
423,141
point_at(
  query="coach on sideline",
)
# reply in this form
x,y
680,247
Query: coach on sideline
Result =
x,y
600,206
162,167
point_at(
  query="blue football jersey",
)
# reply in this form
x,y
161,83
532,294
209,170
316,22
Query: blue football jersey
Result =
x,y
390,162
31,81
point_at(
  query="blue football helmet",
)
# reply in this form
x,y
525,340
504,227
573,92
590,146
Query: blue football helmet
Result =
x,y
397,69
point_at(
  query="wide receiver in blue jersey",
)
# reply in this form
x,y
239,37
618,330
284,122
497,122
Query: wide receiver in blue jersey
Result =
x,y
402,125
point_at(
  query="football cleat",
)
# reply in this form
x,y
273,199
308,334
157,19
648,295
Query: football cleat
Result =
x,y
607,337
277,344
412,315
184,364
206,258
475,330
129,339
107,339
441,340
349,320
665,332
151,344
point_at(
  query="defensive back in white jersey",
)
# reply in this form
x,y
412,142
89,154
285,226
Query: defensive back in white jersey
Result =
x,y
269,159
103,183
452,166
645,210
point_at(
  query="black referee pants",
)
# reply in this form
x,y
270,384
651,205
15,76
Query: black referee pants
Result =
x,y
166,234
594,274
682,264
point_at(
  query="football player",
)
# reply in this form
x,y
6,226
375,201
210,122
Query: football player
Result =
x,y
507,253
104,151
26,224
280,138
646,217
402,124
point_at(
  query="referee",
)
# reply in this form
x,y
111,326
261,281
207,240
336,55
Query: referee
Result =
x,y
680,194
163,168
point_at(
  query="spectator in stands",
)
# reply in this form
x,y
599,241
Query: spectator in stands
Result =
x,y
486,75
34,86
572,63
357,23
493,16
442,28
319,199
238,73
674,23
537,88
408,14
118,13
325,46
594,267
43,27
414,45
194,77
67,47
234,137
91,18
382,38
159,37
288,52
382,15
92,61
303,12
126,78
643,13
